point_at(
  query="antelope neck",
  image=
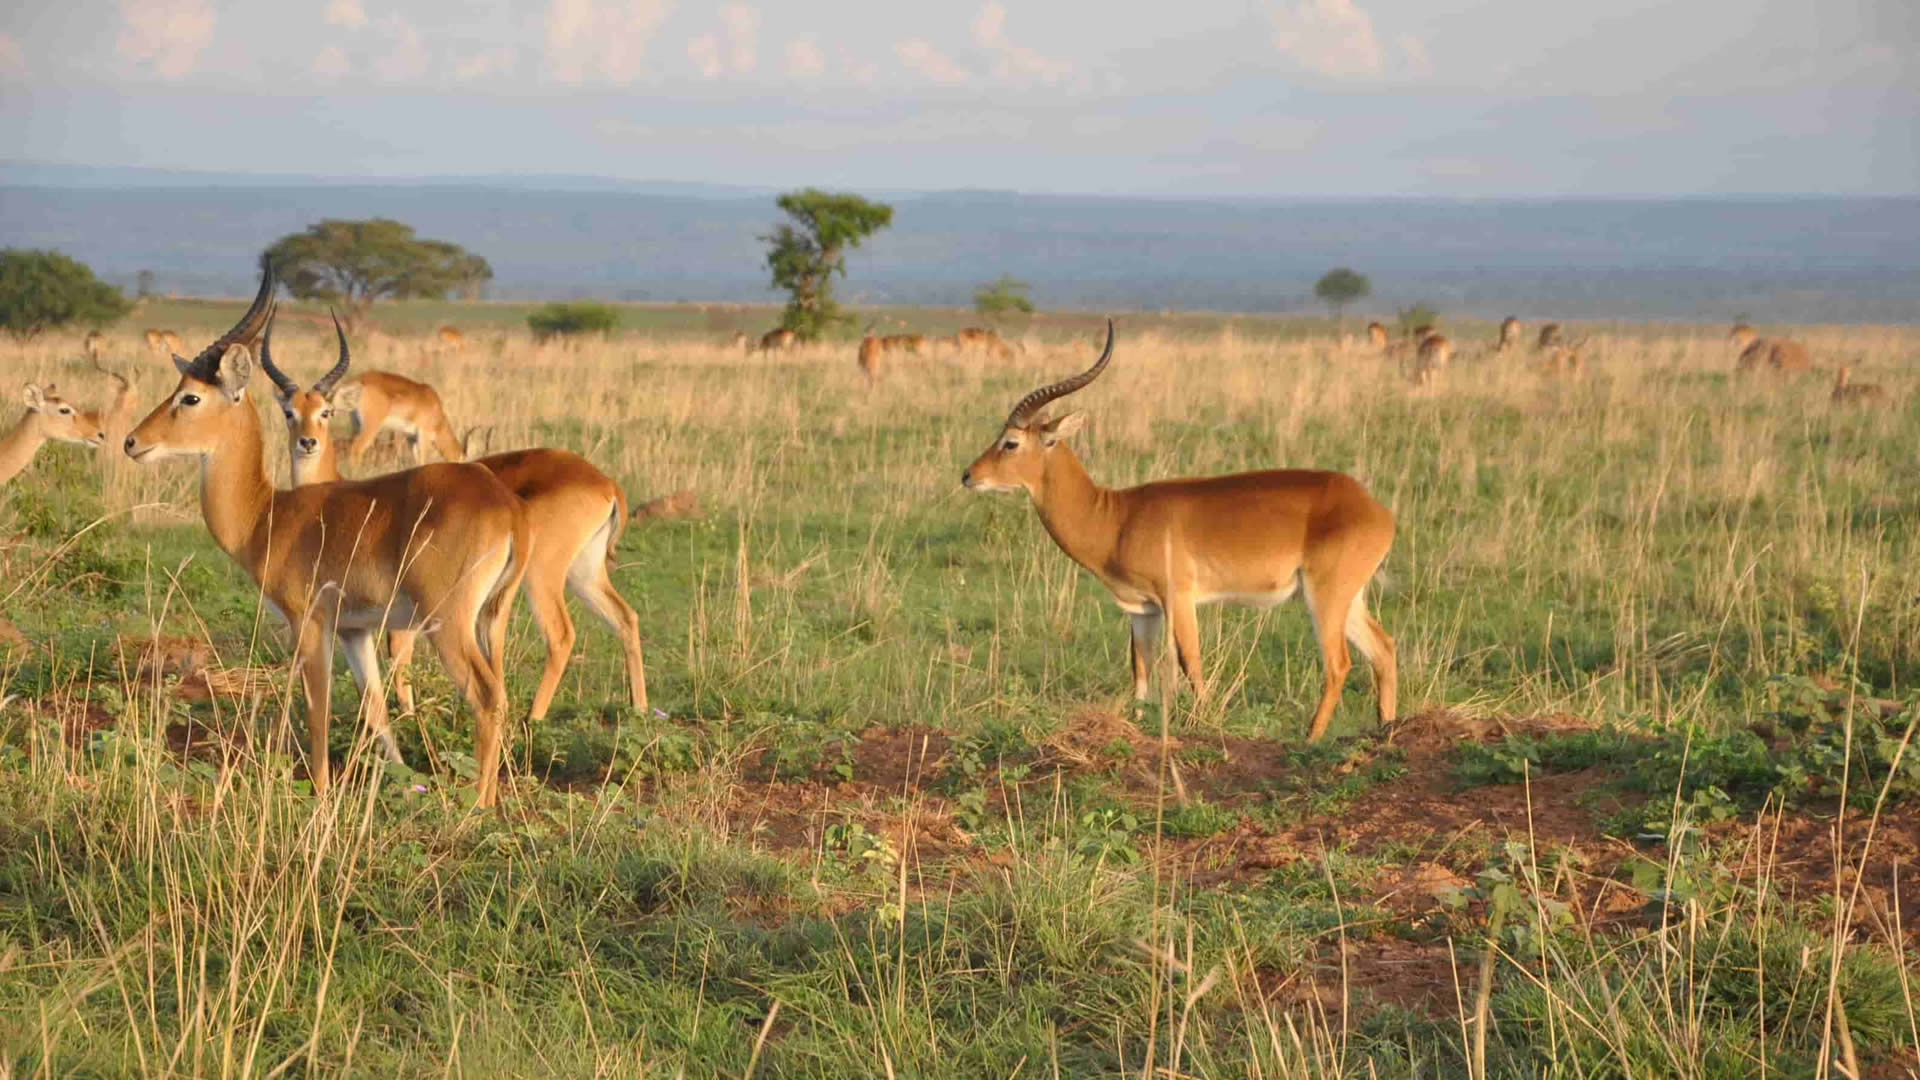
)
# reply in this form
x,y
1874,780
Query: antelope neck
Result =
x,y
234,489
18,446
1076,512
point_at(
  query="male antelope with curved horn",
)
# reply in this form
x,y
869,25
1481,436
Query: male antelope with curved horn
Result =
x,y
575,513
442,546
1166,547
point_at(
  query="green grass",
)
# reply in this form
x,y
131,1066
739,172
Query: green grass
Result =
x,y
889,817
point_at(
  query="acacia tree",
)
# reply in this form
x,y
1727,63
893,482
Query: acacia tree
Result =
x,y
42,290
805,253
1004,295
1340,287
353,263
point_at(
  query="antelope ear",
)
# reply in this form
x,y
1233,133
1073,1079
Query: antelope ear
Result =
x,y
346,397
33,398
236,370
1062,428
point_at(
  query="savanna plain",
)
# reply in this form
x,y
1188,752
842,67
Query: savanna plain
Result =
x,y
1649,807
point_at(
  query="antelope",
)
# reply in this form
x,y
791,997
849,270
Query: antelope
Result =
x,y
976,337
1549,336
165,342
1431,359
740,341
1848,392
777,340
441,547
1741,336
48,418
382,401
1376,335
1166,547
1565,359
1509,334
1420,333
450,339
575,515
112,421
95,345
874,350
1776,354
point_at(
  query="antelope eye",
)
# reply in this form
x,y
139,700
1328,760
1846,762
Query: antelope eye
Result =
x,y
189,399
66,410
1010,444
326,414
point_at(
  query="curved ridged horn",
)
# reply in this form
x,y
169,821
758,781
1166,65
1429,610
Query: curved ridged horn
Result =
x,y
325,386
288,388
1038,400
206,366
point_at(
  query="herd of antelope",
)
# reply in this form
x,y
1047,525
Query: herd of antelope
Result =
x,y
441,548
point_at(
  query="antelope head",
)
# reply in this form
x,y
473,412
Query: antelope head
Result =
x,y
308,412
1018,457
57,419
212,393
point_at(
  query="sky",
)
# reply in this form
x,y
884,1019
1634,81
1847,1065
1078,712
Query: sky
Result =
x,y
1286,98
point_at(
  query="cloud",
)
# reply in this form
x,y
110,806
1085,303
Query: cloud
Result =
x,y
497,61
1413,55
704,51
166,35
347,13
608,41
1331,37
931,63
739,53
804,58
407,60
13,62
1014,62
743,27
330,63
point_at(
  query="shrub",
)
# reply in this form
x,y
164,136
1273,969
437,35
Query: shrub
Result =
x,y
44,290
568,319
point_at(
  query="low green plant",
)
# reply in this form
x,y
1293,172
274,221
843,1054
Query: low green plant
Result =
x,y
572,319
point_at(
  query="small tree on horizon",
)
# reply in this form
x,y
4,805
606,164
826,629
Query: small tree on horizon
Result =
x,y
353,263
1004,295
45,290
1341,286
805,253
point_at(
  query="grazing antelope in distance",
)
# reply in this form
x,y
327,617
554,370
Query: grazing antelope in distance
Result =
x,y
575,514
48,418
1848,392
979,337
165,342
450,339
383,401
1549,336
1432,357
442,547
1166,547
1509,335
875,349
1777,355
1565,359
777,340
1376,335
1741,336
740,341
95,345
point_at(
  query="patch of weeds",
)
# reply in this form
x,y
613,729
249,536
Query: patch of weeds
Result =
x,y
1196,818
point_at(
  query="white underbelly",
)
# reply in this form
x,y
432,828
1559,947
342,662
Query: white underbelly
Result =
x,y
1250,599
